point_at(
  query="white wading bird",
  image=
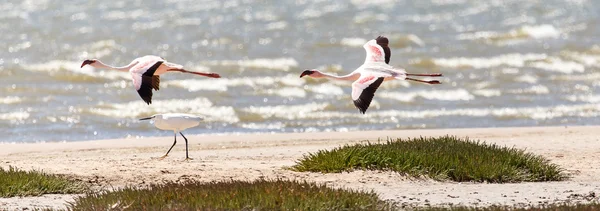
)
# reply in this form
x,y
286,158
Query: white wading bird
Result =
x,y
176,122
144,72
372,73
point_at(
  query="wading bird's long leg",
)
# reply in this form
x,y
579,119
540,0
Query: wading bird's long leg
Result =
x,y
422,81
174,142
186,147
426,74
210,75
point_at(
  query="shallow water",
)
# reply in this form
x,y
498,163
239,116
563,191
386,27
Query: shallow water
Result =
x,y
505,63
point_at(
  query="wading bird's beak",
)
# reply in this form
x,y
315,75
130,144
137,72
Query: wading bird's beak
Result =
x,y
86,62
147,118
306,72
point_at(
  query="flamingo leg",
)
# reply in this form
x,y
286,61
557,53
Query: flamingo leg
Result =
x,y
422,81
174,142
425,74
210,75
186,148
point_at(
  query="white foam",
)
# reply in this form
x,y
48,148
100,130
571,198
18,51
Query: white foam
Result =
x,y
223,84
288,92
286,111
584,98
55,66
443,95
121,15
540,31
263,126
276,64
487,92
10,100
587,59
279,25
194,85
138,26
136,109
325,88
353,42
188,21
527,78
538,113
15,116
559,65
513,60
514,35
536,89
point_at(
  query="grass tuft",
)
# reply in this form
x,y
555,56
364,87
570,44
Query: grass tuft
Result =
x,y
440,158
15,182
232,195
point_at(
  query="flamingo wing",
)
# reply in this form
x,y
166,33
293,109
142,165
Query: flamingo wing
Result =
x,y
363,90
378,50
146,82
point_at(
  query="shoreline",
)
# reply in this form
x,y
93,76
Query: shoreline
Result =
x,y
120,162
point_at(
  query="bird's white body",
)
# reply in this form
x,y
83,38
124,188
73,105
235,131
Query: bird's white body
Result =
x,y
369,76
176,121
145,73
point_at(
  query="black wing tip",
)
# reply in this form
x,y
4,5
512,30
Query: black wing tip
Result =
x,y
382,40
364,101
145,93
361,107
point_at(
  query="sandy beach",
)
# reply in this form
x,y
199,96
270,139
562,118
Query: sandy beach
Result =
x,y
119,162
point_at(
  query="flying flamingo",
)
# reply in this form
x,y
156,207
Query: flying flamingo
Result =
x,y
145,73
176,122
369,76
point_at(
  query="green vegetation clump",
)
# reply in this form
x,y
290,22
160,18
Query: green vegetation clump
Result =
x,y
441,158
15,182
231,195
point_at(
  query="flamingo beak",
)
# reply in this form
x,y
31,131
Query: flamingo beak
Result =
x,y
306,72
86,62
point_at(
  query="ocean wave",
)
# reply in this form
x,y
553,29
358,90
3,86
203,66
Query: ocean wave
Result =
x,y
559,65
223,84
136,109
514,35
326,89
15,116
487,92
286,111
10,100
284,64
317,111
264,126
288,92
60,66
536,90
353,42
590,98
512,60
537,113
588,58
527,78
442,95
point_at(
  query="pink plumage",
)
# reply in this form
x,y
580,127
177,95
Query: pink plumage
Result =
x,y
145,73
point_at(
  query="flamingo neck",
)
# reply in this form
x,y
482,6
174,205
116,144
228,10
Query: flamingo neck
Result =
x,y
349,77
100,64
